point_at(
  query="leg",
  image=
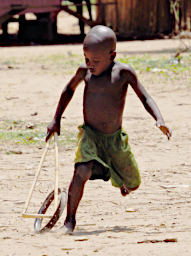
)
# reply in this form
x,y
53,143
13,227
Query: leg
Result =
x,y
125,173
82,173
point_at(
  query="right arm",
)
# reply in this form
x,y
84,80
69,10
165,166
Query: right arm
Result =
x,y
65,98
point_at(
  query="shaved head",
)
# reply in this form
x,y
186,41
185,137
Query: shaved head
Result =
x,y
100,38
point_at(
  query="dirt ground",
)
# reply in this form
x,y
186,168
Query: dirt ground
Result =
x,y
107,223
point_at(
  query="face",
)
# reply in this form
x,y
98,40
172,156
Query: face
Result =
x,y
97,61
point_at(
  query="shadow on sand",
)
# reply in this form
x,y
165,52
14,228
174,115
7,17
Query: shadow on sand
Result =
x,y
115,229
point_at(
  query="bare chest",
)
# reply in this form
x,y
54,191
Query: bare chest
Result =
x,y
107,86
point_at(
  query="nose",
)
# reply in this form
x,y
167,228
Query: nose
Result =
x,y
90,66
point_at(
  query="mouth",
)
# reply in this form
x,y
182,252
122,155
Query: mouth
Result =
x,y
92,70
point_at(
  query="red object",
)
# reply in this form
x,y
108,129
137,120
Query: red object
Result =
x,y
34,6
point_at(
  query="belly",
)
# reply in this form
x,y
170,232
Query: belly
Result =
x,y
103,113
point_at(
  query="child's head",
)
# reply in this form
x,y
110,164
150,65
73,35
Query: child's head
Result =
x,y
99,49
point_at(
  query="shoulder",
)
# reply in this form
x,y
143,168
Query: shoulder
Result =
x,y
82,71
124,68
126,72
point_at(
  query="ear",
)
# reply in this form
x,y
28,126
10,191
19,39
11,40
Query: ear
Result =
x,y
112,55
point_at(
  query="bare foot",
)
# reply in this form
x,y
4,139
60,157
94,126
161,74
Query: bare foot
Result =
x,y
66,230
68,227
124,190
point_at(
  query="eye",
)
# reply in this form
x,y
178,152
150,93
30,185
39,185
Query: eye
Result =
x,y
96,61
87,60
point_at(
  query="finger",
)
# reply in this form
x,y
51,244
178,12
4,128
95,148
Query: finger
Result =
x,y
169,135
48,137
162,128
165,132
58,132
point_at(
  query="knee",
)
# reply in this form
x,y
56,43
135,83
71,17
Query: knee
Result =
x,y
83,171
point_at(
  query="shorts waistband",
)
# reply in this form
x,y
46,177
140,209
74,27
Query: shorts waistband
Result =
x,y
101,134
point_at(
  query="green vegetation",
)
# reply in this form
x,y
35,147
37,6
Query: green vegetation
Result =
x,y
161,69
161,64
67,63
69,60
64,63
19,132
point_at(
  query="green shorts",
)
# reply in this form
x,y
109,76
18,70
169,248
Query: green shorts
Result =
x,y
112,155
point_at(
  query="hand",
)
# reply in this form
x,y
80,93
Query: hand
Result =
x,y
164,129
53,127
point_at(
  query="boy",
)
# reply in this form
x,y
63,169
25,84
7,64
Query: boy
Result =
x,y
103,151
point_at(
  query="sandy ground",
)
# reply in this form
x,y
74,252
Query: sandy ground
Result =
x,y
107,223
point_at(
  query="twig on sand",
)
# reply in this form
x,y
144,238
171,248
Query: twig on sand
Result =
x,y
167,240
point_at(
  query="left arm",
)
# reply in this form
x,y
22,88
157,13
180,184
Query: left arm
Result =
x,y
147,101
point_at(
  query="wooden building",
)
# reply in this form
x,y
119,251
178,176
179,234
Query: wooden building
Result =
x,y
44,26
144,18
183,15
130,19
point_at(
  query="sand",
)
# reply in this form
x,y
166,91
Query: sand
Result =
x,y
107,223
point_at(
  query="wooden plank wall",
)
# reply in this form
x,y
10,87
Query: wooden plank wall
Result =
x,y
185,17
136,18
